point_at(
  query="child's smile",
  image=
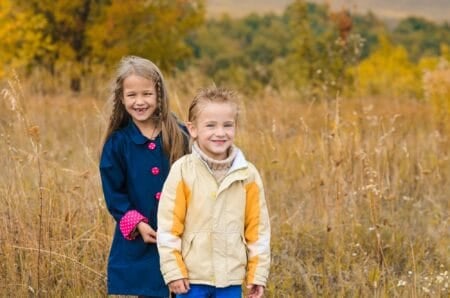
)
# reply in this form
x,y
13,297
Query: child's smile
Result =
x,y
214,129
139,98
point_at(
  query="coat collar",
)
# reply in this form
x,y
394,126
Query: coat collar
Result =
x,y
238,171
136,136
238,163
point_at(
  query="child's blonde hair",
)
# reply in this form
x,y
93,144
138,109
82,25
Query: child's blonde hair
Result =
x,y
212,94
173,141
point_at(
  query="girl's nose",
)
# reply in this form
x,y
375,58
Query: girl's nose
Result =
x,y
139,99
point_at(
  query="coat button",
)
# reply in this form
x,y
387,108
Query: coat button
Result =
x,y
151,146
158,196
155,170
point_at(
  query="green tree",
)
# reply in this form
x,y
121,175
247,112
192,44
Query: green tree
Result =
x,y
420,36
240,51
369,27
319,50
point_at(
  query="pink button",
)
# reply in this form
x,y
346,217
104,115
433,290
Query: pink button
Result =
x,y
151,146
155,170
158,196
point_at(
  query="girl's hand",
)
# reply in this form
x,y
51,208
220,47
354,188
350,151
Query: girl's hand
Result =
x,y
147,233
255,291
180,286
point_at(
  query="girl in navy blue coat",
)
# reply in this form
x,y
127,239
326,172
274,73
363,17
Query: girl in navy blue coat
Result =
x,y
143,139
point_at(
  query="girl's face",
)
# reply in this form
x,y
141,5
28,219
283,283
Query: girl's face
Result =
x,y
214,129
139,98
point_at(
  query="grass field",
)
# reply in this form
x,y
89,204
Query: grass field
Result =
x,y
358,192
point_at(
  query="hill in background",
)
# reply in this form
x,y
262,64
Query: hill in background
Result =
x,y
436,10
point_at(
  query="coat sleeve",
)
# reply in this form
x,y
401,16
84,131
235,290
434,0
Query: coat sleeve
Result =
x,y
171,217
257,233
113,176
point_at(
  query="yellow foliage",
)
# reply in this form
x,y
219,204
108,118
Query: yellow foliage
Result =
x,y
427,63
153,29
436,84
72,37
445,51
387,71
22,37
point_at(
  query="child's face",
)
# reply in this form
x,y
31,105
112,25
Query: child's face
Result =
x,y
139,98
214,129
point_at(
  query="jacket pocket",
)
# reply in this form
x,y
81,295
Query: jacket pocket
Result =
x,y
237,256
186,245
196,253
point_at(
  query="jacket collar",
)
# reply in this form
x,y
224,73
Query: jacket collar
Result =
x,y
239,162
238,171
136,136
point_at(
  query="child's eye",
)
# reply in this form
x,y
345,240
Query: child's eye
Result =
x,y
209,125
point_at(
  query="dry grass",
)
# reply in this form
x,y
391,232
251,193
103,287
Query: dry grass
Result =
x,y
358,191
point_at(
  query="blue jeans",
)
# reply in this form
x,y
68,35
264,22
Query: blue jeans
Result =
x,y
204,291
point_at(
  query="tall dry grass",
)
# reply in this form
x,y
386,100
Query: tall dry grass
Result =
x,y
358,193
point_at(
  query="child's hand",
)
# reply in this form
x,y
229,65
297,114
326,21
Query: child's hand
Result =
x,y
147,233
180,286
255,291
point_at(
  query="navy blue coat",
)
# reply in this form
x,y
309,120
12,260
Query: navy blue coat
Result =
x,y
129,183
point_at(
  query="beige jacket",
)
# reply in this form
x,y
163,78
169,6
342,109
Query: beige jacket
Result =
x,y
214,234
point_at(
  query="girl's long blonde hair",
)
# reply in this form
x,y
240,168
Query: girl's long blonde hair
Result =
x,y
173,141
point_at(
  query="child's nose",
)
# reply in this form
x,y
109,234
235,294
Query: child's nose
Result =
x,y
220,131
140,98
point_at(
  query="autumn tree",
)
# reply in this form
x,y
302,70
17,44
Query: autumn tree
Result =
x,y
420,36
320,50
239,52
22,37
66,22
154,29
388,71
68,36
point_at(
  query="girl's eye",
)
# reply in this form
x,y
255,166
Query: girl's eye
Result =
x,y
209,125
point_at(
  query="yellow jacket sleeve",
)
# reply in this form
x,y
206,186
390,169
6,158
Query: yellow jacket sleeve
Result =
x,y
171,217
257,232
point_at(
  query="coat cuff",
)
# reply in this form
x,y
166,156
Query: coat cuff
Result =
x,y
129,222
